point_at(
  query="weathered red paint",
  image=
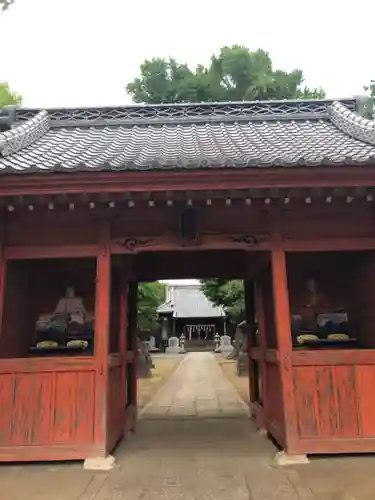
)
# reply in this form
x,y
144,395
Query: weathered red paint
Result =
x,y
46,405
102,331
68,408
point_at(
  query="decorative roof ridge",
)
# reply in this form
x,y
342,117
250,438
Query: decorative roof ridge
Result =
x,y
24,134
351,123
159,114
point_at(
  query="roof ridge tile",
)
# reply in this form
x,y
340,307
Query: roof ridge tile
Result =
x,y
352,124
24,134
185,112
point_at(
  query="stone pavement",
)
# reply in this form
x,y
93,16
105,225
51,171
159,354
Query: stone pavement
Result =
x,y
195,458
197,389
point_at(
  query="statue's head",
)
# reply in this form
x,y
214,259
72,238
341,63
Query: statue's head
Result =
x,y
311,285
70,292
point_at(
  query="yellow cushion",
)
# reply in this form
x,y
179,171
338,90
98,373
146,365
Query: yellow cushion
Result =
x,y
306,337
45,344
78,343
338,336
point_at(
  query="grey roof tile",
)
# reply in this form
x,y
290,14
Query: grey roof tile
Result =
x,y
290,133
188,301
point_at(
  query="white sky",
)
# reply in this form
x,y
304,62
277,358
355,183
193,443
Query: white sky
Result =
x,y
83,52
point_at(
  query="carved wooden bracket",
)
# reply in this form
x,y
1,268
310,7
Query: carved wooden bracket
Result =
x,y
250,239
133,244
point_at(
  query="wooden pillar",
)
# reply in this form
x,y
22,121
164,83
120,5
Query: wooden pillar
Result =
x,y
249,314
260,314
284,342
3,269
133,353
3,272
124,290
102,326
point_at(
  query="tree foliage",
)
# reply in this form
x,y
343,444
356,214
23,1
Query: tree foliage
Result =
x,y
150,297
7,97
235,74
228,294
4,4
368,105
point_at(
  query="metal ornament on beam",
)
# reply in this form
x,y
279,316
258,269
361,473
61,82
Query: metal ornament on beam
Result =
x,y
208,241
133,244
250,240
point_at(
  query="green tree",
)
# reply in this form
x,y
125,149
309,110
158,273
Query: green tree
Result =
x,y
4,4
150,297
368,105
235,74
7,97
228,294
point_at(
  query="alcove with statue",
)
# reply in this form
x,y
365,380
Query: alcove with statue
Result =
x,y
49,308
329,299
333,345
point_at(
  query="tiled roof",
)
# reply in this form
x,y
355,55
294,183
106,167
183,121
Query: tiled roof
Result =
x,y
257,134
188,301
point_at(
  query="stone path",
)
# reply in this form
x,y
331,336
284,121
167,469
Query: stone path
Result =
x,y
197,389
195,458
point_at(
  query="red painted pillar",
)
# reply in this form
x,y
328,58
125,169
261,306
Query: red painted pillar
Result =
x,y
3,269
124,288
249,314
133,352
260,314
284,343
101,339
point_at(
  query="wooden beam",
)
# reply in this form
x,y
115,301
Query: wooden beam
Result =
x,y
20,252
330,244
284,341
185,180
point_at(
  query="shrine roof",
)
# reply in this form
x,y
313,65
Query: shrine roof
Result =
x,y
189,301
174,136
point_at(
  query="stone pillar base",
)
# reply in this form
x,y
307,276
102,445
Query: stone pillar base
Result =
x,y
175,350
99,463
283,458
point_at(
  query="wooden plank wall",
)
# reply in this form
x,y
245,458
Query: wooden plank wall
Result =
x,y
335,401
44,404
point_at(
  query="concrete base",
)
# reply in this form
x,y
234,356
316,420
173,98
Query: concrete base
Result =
x,y
99,463
224,350
282,458
175,350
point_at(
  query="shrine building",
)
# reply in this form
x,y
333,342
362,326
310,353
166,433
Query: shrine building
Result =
x,y
94,200
187,311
